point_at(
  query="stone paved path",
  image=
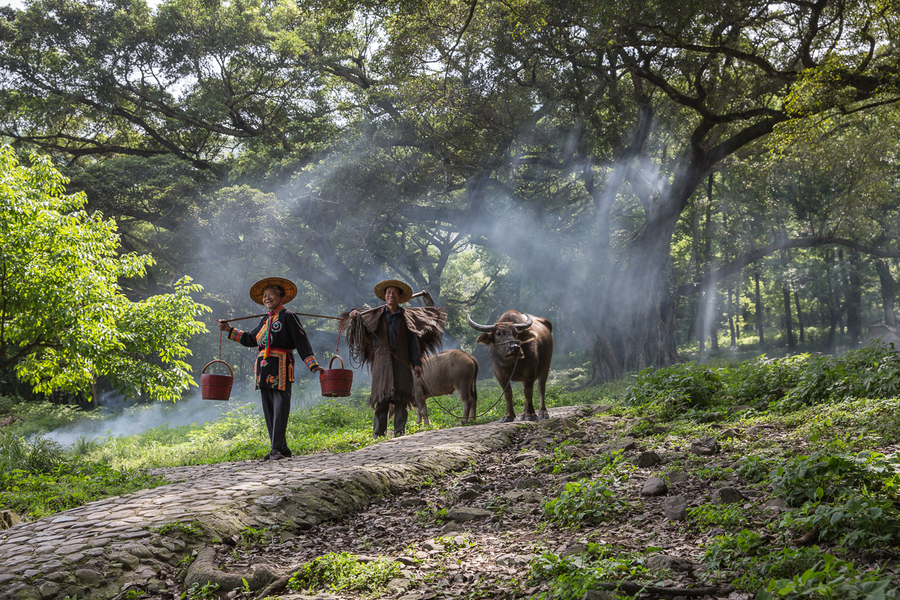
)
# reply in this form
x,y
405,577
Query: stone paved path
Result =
x,y
107,546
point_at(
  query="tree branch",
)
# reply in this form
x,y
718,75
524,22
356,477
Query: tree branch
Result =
x,y
751,257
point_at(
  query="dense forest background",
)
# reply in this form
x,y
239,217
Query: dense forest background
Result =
x,y
650,176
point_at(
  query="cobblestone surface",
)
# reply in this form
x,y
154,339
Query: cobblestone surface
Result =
x,y
105,547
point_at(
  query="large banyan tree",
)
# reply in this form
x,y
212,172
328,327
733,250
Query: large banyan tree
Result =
x,y
569,136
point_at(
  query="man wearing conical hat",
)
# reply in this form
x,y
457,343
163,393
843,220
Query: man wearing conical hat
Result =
x,y
276,336
393,341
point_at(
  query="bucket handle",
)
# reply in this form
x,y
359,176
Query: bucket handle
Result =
x,y
336,356
230,372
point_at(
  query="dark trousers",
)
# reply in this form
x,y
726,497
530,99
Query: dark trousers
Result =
x,y
276,406
382,410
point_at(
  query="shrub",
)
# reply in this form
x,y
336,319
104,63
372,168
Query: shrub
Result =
x,y
831,578
708,516
338,572
585,501
764,378
573,576
821,476
857,522
870,372
70,484
685,385
40,455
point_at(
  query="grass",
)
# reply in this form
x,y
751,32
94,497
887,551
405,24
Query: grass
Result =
x,y
41,477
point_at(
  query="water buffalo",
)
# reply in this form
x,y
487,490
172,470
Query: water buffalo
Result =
x,y
520,347
442,374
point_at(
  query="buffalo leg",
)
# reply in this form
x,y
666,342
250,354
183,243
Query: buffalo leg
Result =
x,y
542,391
528,388
510,415
421,411
470,409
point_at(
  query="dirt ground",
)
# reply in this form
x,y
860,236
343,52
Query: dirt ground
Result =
x,y
473,534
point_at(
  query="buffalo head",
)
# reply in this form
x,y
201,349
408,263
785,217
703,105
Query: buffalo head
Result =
x,y
502,333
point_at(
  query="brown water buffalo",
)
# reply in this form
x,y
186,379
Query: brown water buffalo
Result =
x,y
521,348
442,374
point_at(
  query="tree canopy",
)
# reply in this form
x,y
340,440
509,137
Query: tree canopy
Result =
x,y
64,321
576,149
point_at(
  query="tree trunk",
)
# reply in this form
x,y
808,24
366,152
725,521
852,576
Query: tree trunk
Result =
x,y
834,293
634,324
887,291
731,293
759,310
854,299
698,325
788,320
800,326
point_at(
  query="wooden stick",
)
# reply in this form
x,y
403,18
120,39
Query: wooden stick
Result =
x,y
416,295
368,310
267,314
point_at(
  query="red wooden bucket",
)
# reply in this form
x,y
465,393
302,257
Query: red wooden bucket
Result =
x,y
216,387
336,382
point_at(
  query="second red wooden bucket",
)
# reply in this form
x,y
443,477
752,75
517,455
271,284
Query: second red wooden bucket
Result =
x,y
336,382
216,387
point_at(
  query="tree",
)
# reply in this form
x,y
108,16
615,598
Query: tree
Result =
x,y
569,137
64,321
638,103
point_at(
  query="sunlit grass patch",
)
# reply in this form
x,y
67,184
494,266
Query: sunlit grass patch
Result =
x,y
853,424
339,572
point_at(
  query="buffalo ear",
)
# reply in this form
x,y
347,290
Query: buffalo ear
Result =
x,y
484,338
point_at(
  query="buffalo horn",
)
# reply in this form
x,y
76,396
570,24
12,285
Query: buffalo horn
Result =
x,y
526,324
479,327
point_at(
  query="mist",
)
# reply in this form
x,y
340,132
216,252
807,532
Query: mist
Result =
x,y
136,418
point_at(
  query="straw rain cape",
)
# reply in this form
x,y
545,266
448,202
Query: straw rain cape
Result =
x,y
391,368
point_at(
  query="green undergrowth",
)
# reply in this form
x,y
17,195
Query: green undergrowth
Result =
x,y
842,495
344,572
38,478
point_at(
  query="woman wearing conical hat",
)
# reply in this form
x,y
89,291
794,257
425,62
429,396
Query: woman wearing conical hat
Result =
x,y
395,339
276,336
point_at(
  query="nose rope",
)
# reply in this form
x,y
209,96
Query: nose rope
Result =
x,y
357,343
496,402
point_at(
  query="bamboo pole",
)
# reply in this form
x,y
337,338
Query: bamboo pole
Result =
x,y
362,312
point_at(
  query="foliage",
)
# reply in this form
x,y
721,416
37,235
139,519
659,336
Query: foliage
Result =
x,y
585,501
572,576
178,528
38,455
764,379
832,578
683,385
869,372
821,476
858,521
852,424
727,516
755,468
726,549
609,464
206,591
745,556
339,572
38,493
61,263
252,537
37,417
